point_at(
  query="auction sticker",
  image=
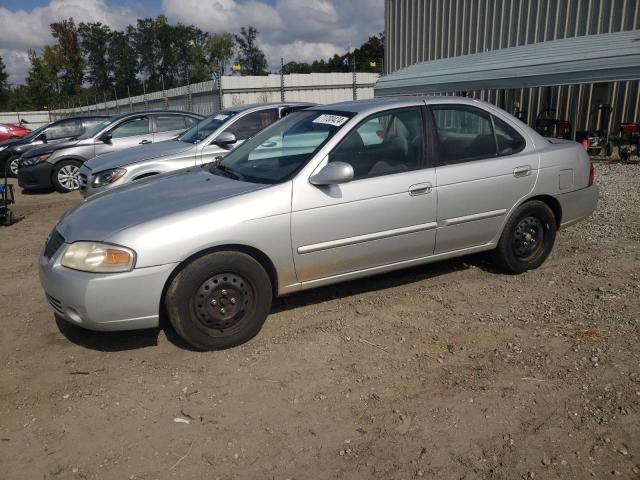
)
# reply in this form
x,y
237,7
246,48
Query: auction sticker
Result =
x,y
335,120
221,117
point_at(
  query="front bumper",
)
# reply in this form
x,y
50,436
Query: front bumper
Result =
x,y
107,302
34,177
578,205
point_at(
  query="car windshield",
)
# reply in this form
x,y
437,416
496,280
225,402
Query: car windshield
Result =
x,y
91,132
206,127
279,151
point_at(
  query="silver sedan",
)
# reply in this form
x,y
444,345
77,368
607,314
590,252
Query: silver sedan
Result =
x,y
325,195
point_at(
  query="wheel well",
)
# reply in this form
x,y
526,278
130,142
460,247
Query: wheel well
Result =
x,y
256,254
553,204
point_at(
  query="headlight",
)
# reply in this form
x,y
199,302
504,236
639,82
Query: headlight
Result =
x,y
107,177
98,257
2,147
33,160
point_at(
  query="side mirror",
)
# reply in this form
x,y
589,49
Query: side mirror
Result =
x,y
333,173
105,137
225,139
41,138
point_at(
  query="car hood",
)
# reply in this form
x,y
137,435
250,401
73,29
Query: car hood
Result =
x,y
12,142
137,154
48,148
103,215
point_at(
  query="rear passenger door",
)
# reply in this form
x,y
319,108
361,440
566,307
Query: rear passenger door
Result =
x,y
485,166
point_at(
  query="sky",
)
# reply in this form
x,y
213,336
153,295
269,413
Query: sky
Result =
x,y
298,30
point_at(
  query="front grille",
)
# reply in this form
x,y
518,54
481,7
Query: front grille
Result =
x,y
54,242
56,304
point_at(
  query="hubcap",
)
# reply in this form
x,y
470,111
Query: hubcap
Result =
x,y
223,300
68,177
528,237
13,167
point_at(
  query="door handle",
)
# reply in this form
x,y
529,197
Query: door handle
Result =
x,y
522,171
420,189
144,142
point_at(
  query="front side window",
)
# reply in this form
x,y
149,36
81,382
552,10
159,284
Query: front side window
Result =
x,y
247,126
168,123
131,128
276,153
464,133
387,143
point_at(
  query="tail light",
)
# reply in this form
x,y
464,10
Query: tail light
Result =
x,y
591,175
585,144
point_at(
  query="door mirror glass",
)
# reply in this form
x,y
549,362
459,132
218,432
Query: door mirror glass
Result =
x,y
41,138
105,137
225,139
333,173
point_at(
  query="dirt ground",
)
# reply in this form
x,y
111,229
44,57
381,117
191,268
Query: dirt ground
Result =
x,y
452,370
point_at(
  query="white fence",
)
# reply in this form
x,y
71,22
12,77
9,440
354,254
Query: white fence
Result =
x,y
32,120
207,98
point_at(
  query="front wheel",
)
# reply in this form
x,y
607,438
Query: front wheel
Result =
x,y
219,300
12,167
65,176
527,238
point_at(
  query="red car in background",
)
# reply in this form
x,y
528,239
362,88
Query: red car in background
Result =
x,y
11,130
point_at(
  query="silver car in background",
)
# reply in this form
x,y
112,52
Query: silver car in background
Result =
x,y
210,139
327,194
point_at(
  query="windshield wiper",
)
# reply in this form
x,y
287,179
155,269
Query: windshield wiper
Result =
x,y
229,173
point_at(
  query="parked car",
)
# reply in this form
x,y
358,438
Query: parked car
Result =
x,y
11,130
212,138
430,179
51,133
58,165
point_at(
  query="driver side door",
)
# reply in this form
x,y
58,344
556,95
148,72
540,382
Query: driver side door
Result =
x,y
385,215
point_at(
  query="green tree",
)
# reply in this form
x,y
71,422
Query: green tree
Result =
x,y
94,44
297,67
43,86
123,62
68,56
219,49
4,84
251,59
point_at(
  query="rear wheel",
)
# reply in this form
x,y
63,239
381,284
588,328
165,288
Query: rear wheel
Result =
x,y
65,176
219,300
527,238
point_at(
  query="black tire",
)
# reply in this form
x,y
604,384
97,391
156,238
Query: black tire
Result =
x,y
61,178
219,301
527,238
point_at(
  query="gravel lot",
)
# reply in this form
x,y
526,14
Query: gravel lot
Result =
x,y
452,370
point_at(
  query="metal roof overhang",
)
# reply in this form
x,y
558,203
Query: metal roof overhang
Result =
x,y
607,57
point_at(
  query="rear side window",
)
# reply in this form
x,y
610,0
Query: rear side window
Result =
x,y
71,128
252,123
464,133
131,128
509,141
168,123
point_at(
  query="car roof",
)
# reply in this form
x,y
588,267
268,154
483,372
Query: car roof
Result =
x,y
148,112
258,106
375,104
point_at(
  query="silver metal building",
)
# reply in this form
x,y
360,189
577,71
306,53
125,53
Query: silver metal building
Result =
x,y
425,30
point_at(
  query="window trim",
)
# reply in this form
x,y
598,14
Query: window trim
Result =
x,y
424,162
438,160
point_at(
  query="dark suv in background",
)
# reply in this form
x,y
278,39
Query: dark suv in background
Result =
x,y
58,165
51,133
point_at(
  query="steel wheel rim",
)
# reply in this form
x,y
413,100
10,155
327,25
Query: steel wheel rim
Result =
x,y
13,167
68,177
528,238
223,303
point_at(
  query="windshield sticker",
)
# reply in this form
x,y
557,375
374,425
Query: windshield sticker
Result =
x,y
221,117
335,120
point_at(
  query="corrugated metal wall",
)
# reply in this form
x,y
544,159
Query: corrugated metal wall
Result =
x,y
423,30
